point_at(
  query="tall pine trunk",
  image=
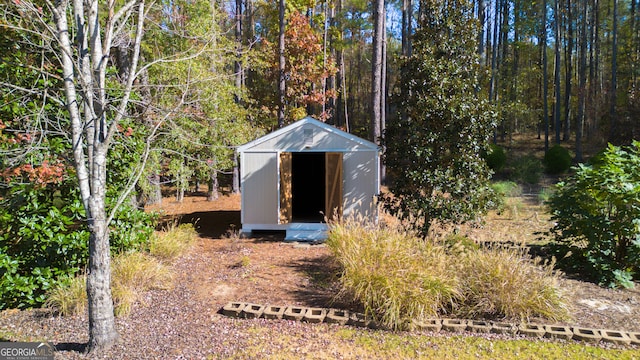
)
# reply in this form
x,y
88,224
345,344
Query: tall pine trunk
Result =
x,y
568,74
556,72
376,72
281,65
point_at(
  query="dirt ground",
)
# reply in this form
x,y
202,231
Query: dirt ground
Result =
x,y
267,270
185,322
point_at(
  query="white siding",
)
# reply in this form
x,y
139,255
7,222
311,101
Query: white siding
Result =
x,y
260,188
360,183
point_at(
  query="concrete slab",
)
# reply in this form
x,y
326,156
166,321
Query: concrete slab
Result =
x,y
454,325
503,328
315,315
434,325
273,312
479,326
335,316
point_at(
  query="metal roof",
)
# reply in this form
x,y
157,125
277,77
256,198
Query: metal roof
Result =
x,y
308,121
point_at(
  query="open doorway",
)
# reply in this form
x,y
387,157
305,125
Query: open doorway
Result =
x,y
308,186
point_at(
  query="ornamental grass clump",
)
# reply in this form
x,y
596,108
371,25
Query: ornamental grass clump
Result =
x,y
399,277
132,274
173,242
394,275
506,283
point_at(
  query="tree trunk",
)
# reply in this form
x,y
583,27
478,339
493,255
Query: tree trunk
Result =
x,y
407,24
556,71
494,64
482,23
235,181
383,97
281,65
613,131
568,73
238,69
102,327
341,111
376,71
91,134
212,193
545,76
155,195
582,80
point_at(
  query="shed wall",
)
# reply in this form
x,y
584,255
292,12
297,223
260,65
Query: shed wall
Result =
x,y
260,195
360,182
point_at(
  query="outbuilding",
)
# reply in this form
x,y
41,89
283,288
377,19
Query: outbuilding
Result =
x,y
294,177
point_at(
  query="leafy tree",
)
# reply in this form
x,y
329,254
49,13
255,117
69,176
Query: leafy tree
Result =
x,y
92,97
433,153
596,213
305,71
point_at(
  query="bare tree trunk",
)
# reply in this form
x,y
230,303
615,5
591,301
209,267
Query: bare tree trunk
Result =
x,y
494,63
568,73
407,24
235,183
556,71
281,65
155,195
102,330
383,97
213,186
545,76
482,20
238,69
582,81
376,71
613,131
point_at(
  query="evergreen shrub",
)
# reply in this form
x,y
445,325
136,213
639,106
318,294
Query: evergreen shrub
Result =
x,y
557,160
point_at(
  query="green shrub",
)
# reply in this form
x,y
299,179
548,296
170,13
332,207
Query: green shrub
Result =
x,y
597,217
527,169
495,156
506,188
43,240
557,160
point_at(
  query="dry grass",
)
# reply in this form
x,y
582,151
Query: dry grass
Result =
x,y
131,273
398,277
173,242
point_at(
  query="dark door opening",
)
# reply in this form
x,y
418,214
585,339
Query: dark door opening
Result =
x,y
308,186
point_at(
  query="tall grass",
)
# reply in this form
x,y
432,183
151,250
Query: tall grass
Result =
x,y
173,242
398,277
131,273
505,283
394,275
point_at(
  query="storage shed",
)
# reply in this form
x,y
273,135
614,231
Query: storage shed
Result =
x,y
295,176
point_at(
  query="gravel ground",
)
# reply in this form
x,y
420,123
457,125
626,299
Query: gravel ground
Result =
x,y
183,323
